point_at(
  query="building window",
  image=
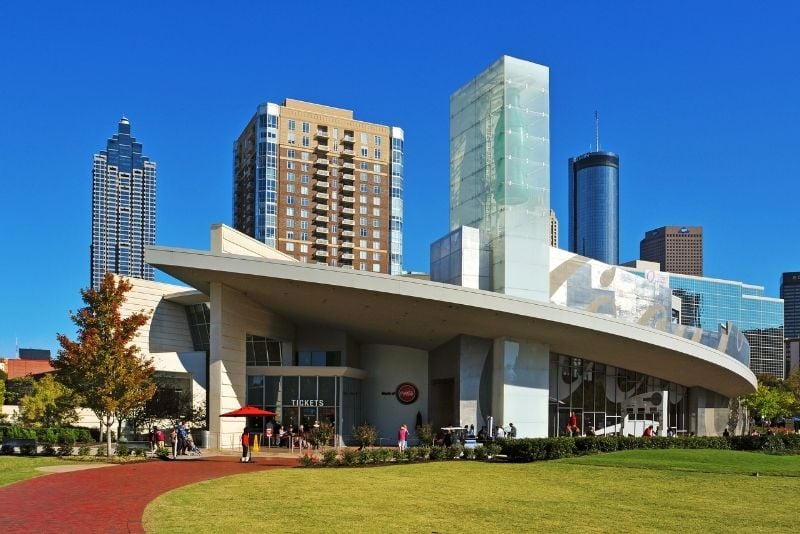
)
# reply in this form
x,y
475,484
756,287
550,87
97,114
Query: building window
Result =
x,y
364,188
364,138
292,125
362,176
362,255
304,156
362,210
304,167
376,244
289,223
303,190
362,221
290,234
376,267
376,212
362,199
377,153
290,165
376,201
290,153
364,152
304,236
376,234
289,247
306,127
304,225
304,249
377,140
262,351
304,179
290,188
331,358
376,179
304,214
376,223
290,177
303,201
362,266
376,256
376,190
363,165
290,200
306,140
290,212
376,167
362,232
290,138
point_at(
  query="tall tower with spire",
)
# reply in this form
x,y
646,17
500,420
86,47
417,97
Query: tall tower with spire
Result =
x,y
123,208
594,203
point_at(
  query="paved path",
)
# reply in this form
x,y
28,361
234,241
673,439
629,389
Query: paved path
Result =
x,y
111,499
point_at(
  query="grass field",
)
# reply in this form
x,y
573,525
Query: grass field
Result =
x,y
16,468
635,491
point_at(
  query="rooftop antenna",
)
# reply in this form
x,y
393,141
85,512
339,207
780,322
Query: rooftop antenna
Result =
x,y
596,131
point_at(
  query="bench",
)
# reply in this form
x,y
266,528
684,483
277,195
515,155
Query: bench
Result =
x,y
25,445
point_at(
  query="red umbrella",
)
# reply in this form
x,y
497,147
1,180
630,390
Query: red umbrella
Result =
x,y
248,411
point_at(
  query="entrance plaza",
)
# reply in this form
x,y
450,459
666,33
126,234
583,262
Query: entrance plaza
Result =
x,y
322,344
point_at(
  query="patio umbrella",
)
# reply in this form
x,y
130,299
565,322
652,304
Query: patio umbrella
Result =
x,y
248,411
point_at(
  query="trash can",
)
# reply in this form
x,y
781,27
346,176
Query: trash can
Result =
x,y
204,438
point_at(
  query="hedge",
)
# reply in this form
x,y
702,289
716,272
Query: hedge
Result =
x,y
54,436
536,449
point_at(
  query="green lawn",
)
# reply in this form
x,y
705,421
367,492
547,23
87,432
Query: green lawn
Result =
x,y
16,468
635,491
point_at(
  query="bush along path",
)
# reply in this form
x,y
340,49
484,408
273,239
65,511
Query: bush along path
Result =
x,y
111,499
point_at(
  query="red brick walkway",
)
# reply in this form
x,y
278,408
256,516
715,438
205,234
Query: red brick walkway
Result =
x,y
110,499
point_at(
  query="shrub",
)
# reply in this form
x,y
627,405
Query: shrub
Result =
x,y
6,449
138,452
480,453
65,449
437,453
162,453
383,455
421,453
307,460
363,457
425,434
47,450
83,450
330,457
492,450
122,450
349,457
469,453
453,452
365,434
102,451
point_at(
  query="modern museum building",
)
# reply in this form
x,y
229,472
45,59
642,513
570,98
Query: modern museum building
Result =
x,y
507,330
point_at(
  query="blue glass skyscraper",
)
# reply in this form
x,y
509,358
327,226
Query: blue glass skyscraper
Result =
x,y
594,206
123,208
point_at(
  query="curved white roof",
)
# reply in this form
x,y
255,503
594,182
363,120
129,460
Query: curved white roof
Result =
x,y
377,308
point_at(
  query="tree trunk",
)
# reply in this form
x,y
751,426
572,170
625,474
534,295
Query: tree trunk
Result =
x,y
108,435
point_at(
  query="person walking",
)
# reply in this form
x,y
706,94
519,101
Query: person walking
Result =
x,y
512,430
402,437
245,446
181,438
174,440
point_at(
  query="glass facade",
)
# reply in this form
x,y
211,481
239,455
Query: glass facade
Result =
x,y
790,293
296,400
609,398
123,208
594,206
707,303
500,171
396,221
199,317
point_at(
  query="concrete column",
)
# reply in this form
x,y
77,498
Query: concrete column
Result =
x,y
521,386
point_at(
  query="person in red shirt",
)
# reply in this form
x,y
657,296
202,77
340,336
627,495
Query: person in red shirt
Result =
x,y
648,432
402,437
245,446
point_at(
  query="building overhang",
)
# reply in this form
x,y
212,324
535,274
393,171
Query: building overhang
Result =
x,y
377,308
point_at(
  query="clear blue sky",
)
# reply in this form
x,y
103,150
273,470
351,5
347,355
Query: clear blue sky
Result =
x,y
701,102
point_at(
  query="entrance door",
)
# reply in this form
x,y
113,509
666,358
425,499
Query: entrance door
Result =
x,y
442,402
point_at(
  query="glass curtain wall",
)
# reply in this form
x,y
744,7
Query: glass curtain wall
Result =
x,y
602,395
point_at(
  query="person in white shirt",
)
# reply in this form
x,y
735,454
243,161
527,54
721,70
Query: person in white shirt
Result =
x,y
500,432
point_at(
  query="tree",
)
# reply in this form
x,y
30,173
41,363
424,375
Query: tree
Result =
x,y
16,388
792,384
2,397
103,365
770,402
50,404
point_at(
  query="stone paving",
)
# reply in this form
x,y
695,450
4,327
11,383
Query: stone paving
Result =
x,y
111,499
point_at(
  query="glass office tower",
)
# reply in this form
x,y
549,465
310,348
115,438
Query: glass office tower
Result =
x,y
500,172
790,293
123,208
594,206
707,303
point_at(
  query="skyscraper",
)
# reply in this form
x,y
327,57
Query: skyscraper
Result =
x,y
500,172
315,183
790,293
594,206
123,208
679,249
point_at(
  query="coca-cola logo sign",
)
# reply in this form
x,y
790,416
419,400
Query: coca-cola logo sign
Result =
x,y
407,393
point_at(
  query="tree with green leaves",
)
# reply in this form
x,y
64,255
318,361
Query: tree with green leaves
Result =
x,y
102,364
2,397
51,404
770,402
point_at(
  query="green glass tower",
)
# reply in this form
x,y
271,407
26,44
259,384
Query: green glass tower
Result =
x,y
500,172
